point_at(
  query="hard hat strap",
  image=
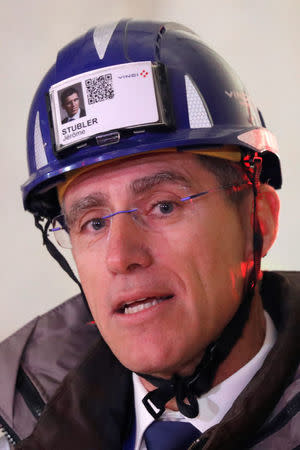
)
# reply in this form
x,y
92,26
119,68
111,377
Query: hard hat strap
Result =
x,y
201,380
55,253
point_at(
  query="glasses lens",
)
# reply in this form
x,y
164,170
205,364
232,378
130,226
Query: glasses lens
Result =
x,y
61,234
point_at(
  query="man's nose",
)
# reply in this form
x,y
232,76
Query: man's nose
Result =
x,y
127,245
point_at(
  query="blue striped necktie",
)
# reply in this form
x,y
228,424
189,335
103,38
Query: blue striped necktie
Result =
x,y
165,435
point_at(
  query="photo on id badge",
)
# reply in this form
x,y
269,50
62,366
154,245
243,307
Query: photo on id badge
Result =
x,y
71,103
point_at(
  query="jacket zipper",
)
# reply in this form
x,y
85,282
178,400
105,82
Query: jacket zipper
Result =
x,y
8,432
30,394
33,400
195,444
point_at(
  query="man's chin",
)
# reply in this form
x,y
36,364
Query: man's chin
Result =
x,y
154,369
162,367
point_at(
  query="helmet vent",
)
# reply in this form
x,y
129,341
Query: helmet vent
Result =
x,y
102,36
198,116
39,149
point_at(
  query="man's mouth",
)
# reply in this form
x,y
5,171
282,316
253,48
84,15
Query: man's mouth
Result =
x,y
142,304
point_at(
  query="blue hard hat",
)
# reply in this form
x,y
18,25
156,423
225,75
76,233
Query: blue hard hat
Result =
x,y
141,86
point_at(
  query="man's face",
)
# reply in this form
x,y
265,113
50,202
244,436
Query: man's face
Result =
x,y
71,104
181,280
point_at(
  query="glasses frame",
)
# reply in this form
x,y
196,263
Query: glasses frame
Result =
x,y
61,217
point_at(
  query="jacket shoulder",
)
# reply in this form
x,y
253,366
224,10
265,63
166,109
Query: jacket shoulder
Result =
x,y
282,430
35,360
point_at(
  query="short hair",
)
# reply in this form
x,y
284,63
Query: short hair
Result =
x,y
66,93
227,172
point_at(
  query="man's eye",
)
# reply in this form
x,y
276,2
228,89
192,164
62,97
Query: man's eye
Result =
x,y
165,207
95,224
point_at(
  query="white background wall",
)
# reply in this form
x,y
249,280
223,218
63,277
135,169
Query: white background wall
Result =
x,y
259,38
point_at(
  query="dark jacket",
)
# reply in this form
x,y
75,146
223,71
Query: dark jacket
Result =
x,y
93,407
82,114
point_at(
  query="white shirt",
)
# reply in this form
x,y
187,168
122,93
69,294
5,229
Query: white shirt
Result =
x,y
76,116
215,403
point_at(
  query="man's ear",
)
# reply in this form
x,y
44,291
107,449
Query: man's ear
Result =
x,y
267,212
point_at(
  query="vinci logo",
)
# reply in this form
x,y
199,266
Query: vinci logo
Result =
x,y
143,74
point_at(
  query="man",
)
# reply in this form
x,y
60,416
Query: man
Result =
x,y
71,104
168,212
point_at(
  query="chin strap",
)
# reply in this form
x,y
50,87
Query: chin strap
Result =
x,y
55,253
186,390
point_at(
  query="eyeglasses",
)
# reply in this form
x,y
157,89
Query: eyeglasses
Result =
x,y
160,211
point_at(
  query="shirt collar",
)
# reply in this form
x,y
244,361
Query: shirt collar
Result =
x,y
215,403
76,116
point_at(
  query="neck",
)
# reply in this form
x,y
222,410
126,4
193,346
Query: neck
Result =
x,y
243,351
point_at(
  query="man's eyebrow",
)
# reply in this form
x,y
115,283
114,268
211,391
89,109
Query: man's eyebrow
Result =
x,y
146,183
97,199
138,186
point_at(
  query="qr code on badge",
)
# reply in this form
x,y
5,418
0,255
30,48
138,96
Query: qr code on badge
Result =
x,y
99,88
